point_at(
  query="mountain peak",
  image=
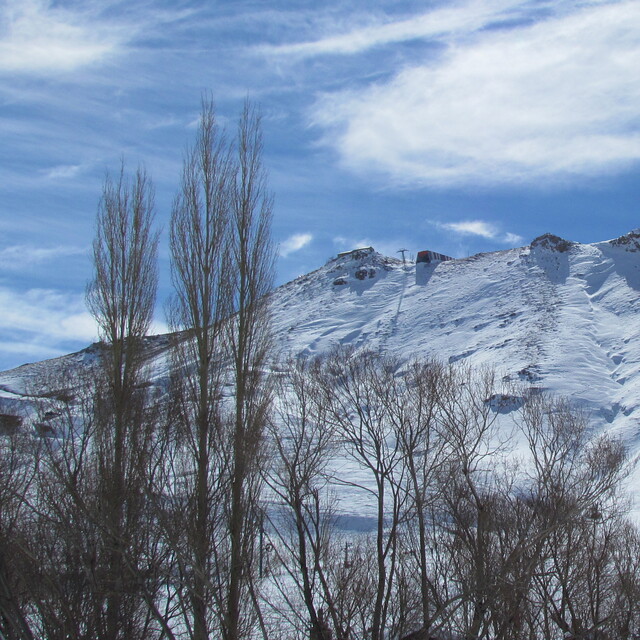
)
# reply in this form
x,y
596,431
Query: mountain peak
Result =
x,y
552,242
359,265
362,256
630,241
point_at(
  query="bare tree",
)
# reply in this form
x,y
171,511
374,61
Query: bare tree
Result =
x,y
222,271
507,526
121,298
299,478
575,494
249,340
71,537
200,251
425,453
625,622
361,389
467,491
18,473
90,546
122,294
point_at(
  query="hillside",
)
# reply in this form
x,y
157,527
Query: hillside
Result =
x,y
468,500
554,315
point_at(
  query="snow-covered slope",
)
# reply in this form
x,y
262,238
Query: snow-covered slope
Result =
x,y
555,315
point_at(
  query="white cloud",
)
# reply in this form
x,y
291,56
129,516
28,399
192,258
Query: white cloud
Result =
x,y
44,323
25,349
342,243
451,19
481,229
63,171
21,256
555,99
513,239
47,314
472,228
40,37
345,243
294,243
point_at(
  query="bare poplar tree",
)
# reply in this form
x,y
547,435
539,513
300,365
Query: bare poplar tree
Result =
x,y
122,294
200,251
89,547
121,298
249,340
223,263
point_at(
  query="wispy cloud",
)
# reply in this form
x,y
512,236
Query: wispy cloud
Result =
x,y
343,243
18,257
554,99
41,37
64,171
481,229
472,228
456,18
43,323
29,350
47,315
294,243
512,239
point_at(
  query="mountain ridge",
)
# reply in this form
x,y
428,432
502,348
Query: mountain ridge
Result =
x,y
554,315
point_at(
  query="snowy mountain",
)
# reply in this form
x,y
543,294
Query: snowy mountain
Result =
x,y
554,315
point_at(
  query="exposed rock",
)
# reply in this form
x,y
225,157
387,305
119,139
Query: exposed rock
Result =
x,y
630,241
361,274
505,403
552,243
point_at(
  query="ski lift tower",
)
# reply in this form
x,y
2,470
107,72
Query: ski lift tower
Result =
x,y
403,251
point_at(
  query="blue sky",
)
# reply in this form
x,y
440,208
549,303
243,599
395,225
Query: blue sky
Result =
x,y
456,126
